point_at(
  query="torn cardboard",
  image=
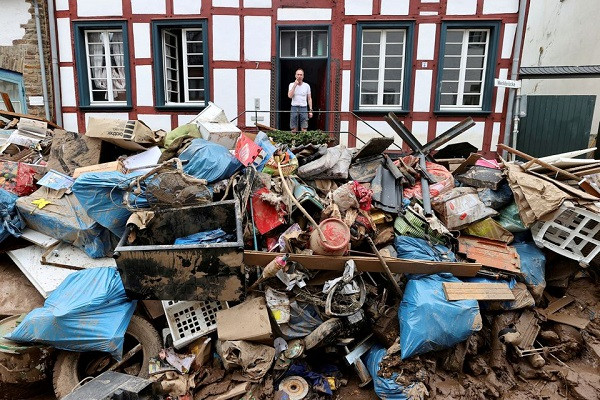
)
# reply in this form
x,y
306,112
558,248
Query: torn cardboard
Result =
x,y
128,134
71,150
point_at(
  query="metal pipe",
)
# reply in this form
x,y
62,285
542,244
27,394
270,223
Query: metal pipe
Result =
x,y
55,69
514,73
42,63
425,187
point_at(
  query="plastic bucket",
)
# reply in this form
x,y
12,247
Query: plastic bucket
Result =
x,y
337,234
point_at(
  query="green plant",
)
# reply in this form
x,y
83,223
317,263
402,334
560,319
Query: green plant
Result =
x,y
299,138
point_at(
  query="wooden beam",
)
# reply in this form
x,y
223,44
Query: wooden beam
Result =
x,y
7,103
477,291
9,114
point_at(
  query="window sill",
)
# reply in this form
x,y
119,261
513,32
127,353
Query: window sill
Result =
x,y
462,112
381,111
106,107
181,107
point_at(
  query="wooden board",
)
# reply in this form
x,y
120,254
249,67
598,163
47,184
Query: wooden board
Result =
x,y
8,114
566,319
477,291
367,264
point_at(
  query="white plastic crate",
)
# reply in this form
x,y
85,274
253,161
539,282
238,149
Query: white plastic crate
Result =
x,y
189,320
574,233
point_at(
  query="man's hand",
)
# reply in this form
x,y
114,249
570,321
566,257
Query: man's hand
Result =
x,y
310,114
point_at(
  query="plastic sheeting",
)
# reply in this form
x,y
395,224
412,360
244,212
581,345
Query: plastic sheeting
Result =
x,y
66,219
181,131
214,236
89,311
429,322
11,222
208,160
498,198
410,248
509,218
385,388
533,267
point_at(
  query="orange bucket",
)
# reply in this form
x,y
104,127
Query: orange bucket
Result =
x,y
337,234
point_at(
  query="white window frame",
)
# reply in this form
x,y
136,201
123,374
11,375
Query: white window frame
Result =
x,y
108,64
463,72
381,76
186,65
166,78
312,43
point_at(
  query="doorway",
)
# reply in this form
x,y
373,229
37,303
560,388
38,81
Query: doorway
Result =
x,y
306,48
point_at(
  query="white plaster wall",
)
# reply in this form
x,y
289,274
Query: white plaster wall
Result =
x,y
394,7
508,40
94,8
156,121
143,85
141,40
426,42
364,132
419,130
226,3
226,29
67,87
347,55
185,119
61,5
109,115
70,122
304,14
257,38
226,87
345,90
14,13
258,3
495,136
344,135
63,31
258,83
358,7
502,6
422,94
182,7
474,135
462,7
503,74
148,7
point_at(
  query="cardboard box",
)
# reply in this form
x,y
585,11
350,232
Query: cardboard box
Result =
x,y
246,321
130,134
71,150
105,167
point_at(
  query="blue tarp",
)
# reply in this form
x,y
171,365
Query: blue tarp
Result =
x,y
410,248
533,263
269,149
11,222
429,322
208,160
89,311
214,236
385,388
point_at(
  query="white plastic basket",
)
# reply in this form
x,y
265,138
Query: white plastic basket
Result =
x,y
573,233
189,320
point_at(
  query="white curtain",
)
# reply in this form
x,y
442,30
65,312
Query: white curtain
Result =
x,y
118,76
98,68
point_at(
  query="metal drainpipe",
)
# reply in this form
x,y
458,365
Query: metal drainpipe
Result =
x,y
512,110
42,64
55,71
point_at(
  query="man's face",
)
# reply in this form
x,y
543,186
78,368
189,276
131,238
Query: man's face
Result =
x,y
299,76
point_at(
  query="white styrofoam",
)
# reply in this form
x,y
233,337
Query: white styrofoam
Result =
x,y
462,7
426,42
185,7
347,55
104,8
226,83
141,40
226,29
345,104
67,87
143,84
358,7
422,94
63,31
148,6
395,7
257,38
304,14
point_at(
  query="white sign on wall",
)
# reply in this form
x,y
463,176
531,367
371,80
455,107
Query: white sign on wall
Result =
x,y
507,83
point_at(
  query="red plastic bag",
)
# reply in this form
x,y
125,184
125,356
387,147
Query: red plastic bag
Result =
x,y
17,178
444,178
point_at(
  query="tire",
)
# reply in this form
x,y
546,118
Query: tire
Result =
x,y
67,369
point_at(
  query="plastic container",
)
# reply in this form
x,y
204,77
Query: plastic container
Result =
x,y
337,234
189,320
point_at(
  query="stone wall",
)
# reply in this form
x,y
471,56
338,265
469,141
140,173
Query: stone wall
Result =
x,y
23,57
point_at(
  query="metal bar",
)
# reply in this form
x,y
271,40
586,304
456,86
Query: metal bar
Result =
x,y
403,132
425,187
384,266
450,134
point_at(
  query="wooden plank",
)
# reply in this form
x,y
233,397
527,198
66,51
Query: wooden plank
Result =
x,y
8,114
477,291
571,320
7,103
367,264
556,305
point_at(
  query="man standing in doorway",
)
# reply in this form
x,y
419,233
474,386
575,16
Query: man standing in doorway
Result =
x,y
299,92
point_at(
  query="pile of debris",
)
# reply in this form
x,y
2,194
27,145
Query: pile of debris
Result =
x,y
271,269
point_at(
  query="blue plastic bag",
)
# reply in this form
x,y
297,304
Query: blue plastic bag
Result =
x,y
214,236
208,160
269,149
101,194
496,199
89,311
429,322
11,222
533,267
385,388
410,248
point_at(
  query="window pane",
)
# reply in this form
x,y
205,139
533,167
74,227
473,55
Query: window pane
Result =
x,y
454,36
368,99
368,87
196,95
448,99
371,49
449,87
194,48
391,99
115,37
473,74
477,37
195,60
196,72
120,96
476,49
94,37
171,38
288,43
395,36
472,87
471,100
394,49
392,87
453,49
475,62
371,36
172,74
173,97
370,74
450,74
320,43
196,83
370,62
393,62
451,62
303,44
99,95
393,74
195,36
96,50
12,89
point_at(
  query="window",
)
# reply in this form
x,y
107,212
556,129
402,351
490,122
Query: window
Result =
x,y
11,83
383,66
102,63
181,73
466,71
304,43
